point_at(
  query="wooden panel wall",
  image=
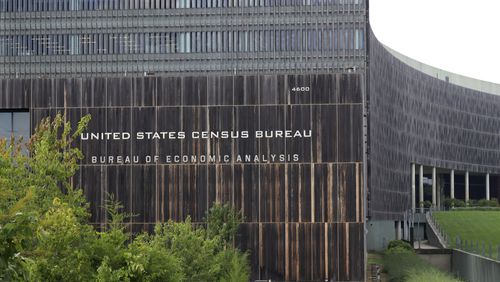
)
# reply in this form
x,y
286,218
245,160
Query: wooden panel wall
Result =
x,y
303,218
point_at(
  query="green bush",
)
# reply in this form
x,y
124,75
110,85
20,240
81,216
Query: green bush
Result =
x,y
427,204
399,244
487,203
458,203
448,203
397,265
399,247
398,250
45,234
429,275
409,267
401,263
453,203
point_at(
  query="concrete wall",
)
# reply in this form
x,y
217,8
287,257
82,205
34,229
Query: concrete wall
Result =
x,y
380,232
440,260
471,267
432,237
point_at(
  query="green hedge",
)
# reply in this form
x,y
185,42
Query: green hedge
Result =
x,y
429,275
402,264
456,203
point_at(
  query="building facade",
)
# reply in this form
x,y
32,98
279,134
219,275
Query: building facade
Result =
x,y
169,147
432,135
46,38
291,111
256,103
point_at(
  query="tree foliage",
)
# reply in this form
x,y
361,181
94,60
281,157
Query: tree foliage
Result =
x,y
45,233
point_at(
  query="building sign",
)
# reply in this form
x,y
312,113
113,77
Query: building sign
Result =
x,y
175,136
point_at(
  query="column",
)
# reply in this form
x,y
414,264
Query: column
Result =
x,y
413,188
487,186
466,187
452,184
433,187
438,192
421,188
398,230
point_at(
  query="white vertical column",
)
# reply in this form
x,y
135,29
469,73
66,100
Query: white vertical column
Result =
x,y
398,230
413,188
452,184
421,188
487,186
466,187
433,187
438,192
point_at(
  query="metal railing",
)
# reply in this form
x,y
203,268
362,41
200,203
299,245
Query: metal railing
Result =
x,y
482,248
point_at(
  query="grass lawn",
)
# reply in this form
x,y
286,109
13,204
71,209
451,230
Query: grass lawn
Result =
x,y
482,226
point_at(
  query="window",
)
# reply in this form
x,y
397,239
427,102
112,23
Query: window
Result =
x,y
15,124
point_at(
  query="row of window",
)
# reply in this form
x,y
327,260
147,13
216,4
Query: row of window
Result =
x,y
74,5
15,124
183,42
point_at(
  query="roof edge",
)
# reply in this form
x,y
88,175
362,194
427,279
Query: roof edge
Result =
x,y
453,78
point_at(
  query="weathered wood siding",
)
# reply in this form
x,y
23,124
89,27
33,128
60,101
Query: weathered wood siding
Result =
x,y
303,218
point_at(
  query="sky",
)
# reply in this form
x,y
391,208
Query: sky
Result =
x,y
460,36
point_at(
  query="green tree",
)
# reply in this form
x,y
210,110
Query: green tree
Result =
x,y
222,222
45,233
64,246
28,185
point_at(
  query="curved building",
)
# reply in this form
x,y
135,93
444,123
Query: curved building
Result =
x,y
426,126
291,111
425,116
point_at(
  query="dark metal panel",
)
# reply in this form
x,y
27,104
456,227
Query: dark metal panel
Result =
x,y
119,91
350,125
299,118
118,182
143,201
416,118
169,91
94,148
145,91
220,90
143,123
325,139
296,211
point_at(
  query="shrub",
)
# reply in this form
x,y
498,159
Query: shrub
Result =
x,y
399,244
398,265
409,267
458,203
402,264
487,203
427,204
398,250
64,246
222,221
448,203
453,203
429,275
45,234
399,247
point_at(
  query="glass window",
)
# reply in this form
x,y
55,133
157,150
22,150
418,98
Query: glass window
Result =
x,y
5,124
15,124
